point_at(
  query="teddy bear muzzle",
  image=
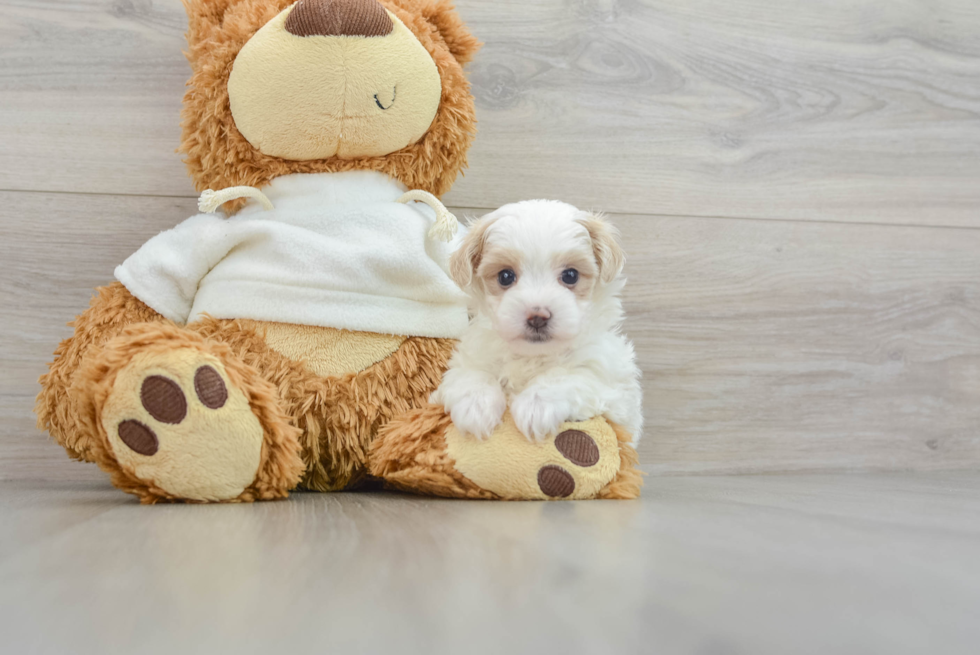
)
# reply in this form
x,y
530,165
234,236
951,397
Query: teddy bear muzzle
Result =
x,y
333,78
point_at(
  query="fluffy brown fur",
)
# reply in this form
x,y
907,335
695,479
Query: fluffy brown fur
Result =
x,y
218,156
410,454
339,417
110,311
280,466
629,479
336,418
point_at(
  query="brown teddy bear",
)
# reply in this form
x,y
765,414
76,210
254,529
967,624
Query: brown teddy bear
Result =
x,y
296,341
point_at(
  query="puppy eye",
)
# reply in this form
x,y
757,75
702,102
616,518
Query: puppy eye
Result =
x,y
506,277
569,276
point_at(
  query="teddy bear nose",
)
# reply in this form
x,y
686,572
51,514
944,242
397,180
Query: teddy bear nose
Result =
x,y
339,18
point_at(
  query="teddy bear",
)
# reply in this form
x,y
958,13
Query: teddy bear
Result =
x,y
293,340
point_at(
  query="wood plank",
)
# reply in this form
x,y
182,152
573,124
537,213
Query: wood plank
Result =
x,y
91,96
772,345
765,565
767,345
839,111
835,110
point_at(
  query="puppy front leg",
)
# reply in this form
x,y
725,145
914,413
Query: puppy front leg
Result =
x,y
547,403
473,399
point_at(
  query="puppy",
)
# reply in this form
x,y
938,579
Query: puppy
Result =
x,y
544,280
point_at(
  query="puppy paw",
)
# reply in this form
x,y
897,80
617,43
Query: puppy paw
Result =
x,y
537,416
479,412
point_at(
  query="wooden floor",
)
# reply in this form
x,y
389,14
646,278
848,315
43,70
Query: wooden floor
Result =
x,y
869,563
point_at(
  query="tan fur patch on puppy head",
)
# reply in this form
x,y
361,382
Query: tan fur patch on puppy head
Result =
x,y
465,261
265,101
608,253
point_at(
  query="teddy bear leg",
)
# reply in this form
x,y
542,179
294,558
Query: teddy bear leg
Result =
x,y
338,412
410,455
338,432
111,310
423,452
175,416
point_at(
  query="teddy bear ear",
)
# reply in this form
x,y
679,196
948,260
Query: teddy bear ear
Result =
x,y
442,15
203,16
209,11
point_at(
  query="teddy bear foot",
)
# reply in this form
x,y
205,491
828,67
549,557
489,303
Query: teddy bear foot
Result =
x,y
423,452
183,419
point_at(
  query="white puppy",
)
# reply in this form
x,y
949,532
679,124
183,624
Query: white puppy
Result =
x,y
544,280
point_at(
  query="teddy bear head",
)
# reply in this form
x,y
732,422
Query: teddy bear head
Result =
x,y
316,86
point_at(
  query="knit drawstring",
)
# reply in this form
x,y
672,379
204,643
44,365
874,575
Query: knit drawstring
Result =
x,y
211,200
444,228
446,224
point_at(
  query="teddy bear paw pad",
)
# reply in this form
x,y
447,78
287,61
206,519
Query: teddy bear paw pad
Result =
x,y
164,400
176,422
555,481
579,449
575,464
139,438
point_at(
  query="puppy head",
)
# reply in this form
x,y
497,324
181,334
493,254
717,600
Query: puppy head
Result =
x,y
534,267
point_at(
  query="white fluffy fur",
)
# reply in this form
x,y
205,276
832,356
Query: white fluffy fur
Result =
x,y
585,368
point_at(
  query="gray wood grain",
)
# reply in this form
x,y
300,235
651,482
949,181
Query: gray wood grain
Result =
x,y
751,564
90,96
837,110
766,345
774,346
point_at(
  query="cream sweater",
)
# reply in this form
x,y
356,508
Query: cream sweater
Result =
x,y
336,251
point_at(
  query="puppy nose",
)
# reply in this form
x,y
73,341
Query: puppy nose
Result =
x,y
538,319
339,18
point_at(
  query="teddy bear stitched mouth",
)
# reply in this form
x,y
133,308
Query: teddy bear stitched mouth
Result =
x,y
377,101
394,94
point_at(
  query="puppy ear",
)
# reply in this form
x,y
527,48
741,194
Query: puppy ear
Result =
x,y
465,260
605,245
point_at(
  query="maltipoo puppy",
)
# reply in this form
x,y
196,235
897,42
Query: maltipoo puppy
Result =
x,y
544,279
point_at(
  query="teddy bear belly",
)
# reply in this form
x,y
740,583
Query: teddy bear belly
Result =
x,y
328,352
